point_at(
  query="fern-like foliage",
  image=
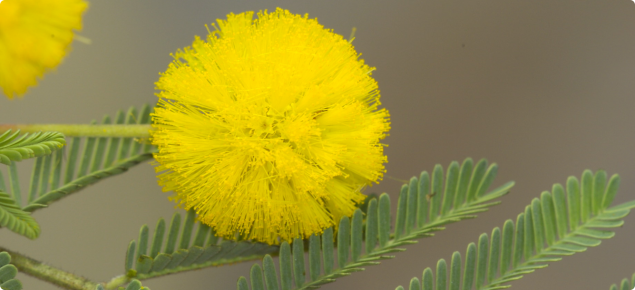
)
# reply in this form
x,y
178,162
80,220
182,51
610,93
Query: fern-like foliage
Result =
x,y
183,255
625,284
425,205
7,273
133,285
15,219
85,161
15,148
555,225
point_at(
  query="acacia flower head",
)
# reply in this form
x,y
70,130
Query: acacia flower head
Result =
x,y
34,37
270,128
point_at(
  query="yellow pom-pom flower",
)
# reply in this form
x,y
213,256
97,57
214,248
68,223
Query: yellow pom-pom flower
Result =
x,y
270,128
34,37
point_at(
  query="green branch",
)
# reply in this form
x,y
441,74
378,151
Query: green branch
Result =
x,y
49,273
72,130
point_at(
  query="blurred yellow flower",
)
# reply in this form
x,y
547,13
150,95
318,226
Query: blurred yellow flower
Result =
x,y
270,128
34,37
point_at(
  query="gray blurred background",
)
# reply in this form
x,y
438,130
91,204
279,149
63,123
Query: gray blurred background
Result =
x,y
543,88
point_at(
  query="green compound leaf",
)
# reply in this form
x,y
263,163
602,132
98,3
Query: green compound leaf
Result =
x,y
15,219
7,273
15,148
625,284
544,233
425,205
177,250
85,161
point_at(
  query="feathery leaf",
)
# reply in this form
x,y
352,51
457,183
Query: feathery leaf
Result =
x,y
15,148
625,284
7,273
424,207
544,233
204,251
15,219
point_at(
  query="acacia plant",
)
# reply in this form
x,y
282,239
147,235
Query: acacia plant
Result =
x,y
266,132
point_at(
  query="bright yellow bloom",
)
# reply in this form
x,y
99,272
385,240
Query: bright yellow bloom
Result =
x,y
34,37
270,128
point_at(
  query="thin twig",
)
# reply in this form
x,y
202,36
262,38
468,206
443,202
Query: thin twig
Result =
x,y
80,130
48,273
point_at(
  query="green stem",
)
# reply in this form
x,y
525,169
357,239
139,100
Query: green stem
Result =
x,y
72,130
49,273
